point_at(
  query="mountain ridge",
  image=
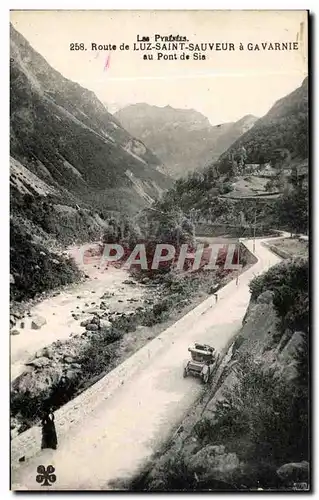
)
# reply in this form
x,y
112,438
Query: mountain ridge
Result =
x,y
54,120
279,137
183,139
73,171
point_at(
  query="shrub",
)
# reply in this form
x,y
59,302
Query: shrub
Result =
x,y
261,416
35,269
289,282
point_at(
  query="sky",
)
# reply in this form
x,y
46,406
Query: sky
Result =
x,y
226,86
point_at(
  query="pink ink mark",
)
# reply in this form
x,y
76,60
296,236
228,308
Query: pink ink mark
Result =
x,y
107,62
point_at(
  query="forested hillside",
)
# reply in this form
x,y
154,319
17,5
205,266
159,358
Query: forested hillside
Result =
x,y
278,137
72,168
273,152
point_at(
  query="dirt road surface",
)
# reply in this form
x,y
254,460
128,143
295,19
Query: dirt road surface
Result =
x,y
113,429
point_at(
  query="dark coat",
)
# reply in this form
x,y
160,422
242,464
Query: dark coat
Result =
x,y
49,437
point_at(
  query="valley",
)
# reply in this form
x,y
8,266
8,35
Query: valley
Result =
x,y
103,345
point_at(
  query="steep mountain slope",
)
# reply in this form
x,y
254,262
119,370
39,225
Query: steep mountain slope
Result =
x,y
64,135
279,137
236,189
183,139
72,168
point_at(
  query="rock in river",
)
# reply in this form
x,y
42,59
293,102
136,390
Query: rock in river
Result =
x,y
105,324
86,322
38,322
92,327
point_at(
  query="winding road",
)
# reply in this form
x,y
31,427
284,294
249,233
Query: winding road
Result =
x,y
112,429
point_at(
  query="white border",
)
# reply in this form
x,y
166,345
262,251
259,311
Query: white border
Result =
x,y
4,198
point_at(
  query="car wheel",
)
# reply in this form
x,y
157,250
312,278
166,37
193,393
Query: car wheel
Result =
x,y
185,372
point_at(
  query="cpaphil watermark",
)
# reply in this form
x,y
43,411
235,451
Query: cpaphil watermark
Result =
x,y
153,256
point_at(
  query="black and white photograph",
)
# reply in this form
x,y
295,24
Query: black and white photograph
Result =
x,y
159,259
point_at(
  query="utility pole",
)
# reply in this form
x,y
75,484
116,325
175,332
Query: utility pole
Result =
x,y
254,239
238,253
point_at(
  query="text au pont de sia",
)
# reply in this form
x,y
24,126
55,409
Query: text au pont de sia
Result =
x,y
180,47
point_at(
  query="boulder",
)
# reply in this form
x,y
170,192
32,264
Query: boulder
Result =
x,y
214,461
86,322
39,362
76,365
14,332
145,280
92,327
93,310
47,352
38,322
265,297
38,383
68,359
129,282
107,295
96,320
294,472
71,374
14,433
105,324
18,314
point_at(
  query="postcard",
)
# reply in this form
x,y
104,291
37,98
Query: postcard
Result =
x,y
159,308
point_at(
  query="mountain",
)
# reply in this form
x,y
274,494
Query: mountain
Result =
x,y
183,139
72,167
280,137
63,135
263,176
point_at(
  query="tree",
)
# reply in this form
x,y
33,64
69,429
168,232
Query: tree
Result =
x,y
291,209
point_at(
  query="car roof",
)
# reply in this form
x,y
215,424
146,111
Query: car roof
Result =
x,y
200,351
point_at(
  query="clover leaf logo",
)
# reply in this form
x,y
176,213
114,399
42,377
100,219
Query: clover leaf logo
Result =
x,y
45,475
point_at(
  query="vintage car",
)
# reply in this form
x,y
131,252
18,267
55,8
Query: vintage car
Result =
x,y
202,362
